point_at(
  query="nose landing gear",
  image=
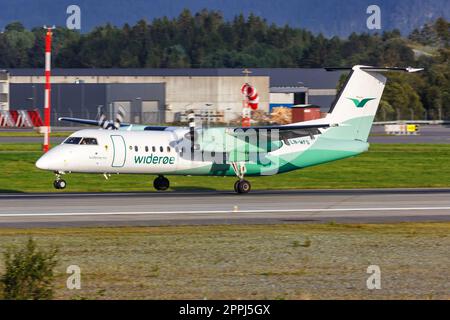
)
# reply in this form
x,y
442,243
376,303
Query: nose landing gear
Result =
x,y
59,183
161,183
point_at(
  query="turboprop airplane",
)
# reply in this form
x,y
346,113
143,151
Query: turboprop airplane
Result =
x,y
234,151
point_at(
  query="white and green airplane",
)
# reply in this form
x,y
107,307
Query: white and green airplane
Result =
x,y
194,151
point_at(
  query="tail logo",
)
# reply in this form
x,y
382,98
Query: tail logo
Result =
x,y
361,103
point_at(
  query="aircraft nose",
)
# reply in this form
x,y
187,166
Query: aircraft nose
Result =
x,y
43,162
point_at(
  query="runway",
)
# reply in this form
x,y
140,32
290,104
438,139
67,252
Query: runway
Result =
x,y
428,134
211,207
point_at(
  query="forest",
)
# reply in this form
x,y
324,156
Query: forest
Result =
x,y
206,40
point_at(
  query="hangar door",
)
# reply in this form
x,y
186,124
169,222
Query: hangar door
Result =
x,y
150,112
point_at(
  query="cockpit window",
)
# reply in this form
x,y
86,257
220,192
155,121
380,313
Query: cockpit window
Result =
x,y
73,140
82,141
89,141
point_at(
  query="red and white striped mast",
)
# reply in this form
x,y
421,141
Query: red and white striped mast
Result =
x,y
250,102
48,87
245,108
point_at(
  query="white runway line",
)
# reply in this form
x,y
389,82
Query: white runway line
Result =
x,y
67,195
4,215
406,191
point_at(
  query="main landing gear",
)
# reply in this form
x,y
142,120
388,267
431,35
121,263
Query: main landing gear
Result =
x,y
161,183
59,183
241,186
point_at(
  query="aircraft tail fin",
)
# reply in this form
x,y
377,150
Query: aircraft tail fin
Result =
x,y
357,103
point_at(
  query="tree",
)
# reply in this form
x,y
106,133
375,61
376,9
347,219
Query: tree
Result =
x,y
17,41
442,28
205,39
401,97
29,272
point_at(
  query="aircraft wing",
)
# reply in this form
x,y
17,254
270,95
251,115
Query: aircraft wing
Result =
x,y
262,139
282,128
274,134
132,127
81,121
86,121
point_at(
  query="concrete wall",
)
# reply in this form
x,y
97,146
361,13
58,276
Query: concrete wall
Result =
x,y
282,98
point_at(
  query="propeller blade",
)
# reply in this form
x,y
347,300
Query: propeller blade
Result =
x,y
102,122
191,119
120,115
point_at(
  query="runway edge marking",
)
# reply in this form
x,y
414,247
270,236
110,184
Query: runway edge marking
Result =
x,y
4,215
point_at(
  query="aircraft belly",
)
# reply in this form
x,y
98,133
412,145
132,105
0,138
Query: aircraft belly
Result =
x,y
324,150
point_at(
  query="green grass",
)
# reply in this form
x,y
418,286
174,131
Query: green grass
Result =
x,y
26,134
384,166
329,261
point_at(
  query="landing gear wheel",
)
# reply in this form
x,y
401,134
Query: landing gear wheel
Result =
x,y
60,184
243,186
236,186
161,183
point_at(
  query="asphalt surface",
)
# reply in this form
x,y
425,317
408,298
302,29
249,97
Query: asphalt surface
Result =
x,y
428,134
211,207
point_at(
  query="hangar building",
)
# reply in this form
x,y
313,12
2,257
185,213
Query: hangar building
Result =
x,y
164,95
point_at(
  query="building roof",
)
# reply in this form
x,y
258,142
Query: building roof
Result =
x,y
279,77
288,89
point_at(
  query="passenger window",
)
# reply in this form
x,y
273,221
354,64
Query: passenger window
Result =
x,y
153,149
161,149
146,149
89,141
168,149
136,148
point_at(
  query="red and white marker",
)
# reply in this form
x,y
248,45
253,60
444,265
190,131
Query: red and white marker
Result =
x,y
251,102
48,87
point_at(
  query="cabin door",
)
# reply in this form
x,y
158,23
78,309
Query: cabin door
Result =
x,y
119,151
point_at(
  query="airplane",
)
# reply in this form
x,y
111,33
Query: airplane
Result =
x,y
120,148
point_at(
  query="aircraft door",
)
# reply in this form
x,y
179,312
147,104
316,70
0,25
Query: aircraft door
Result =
x,y
119,151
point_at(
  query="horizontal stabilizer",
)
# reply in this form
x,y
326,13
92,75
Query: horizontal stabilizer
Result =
x,y
379,69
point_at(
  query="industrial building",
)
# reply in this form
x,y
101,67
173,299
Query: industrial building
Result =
x,y
4,90
164,95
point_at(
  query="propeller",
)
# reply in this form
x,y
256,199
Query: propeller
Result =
x,y
191,120
190,138
106,124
